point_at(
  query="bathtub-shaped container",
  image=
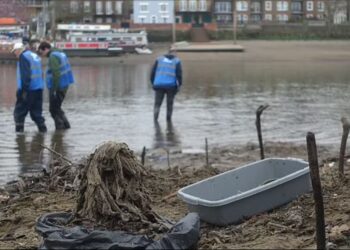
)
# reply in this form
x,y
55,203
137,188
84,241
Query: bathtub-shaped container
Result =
x,y
248,190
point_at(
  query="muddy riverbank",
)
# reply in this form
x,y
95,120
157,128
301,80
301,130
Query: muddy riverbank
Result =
x,y
291,226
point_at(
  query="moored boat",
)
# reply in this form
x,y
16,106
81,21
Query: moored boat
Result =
x,y
98,40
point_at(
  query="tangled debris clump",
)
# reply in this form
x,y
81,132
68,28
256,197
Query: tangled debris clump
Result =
x,y
112,192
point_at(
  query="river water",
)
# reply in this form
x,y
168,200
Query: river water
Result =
x,y
113,100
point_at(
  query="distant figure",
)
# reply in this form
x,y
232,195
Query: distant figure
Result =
x,y
166,78
30,86
58,78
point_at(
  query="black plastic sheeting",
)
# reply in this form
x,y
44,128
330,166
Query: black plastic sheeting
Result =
x,y
183,235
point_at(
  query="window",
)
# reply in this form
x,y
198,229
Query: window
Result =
x,y
242,18
74,7
87,20
203,5
87,7
153,19
109,20
268,6
224,19
163,7
282,6
223,7
242,6
183,5
297,6
142,19
320,6
109,8
255,7
268,17
320,16
99,20
119,7
282,17
143,7
193,5
165,19
309,16
309,5
99,9
255,18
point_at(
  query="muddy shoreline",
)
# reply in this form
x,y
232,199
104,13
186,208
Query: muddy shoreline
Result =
x,y
291,226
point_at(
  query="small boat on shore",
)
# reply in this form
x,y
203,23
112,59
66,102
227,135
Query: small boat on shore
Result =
x,y
258,187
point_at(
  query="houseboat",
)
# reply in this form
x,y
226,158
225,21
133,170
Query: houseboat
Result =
x,y
98,40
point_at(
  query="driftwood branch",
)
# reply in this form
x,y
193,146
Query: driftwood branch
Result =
x,y
317,190
58,154
259,112
346,128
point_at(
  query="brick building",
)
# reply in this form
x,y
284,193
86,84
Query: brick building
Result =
x,y
93,11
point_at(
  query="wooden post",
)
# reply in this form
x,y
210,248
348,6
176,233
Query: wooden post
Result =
x,y
346,128
317,190
206,152
259,111
143,155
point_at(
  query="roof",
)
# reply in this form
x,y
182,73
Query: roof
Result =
x,y
8,21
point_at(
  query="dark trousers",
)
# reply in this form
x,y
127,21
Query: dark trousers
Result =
x,y
61,121
159,96
32,102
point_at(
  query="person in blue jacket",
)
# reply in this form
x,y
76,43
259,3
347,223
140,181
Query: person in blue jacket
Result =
x,y
58,78
30,86
166,79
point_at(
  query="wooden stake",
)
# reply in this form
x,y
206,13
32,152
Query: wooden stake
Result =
x,y
317,190
346,128
143,155
206,152
259,111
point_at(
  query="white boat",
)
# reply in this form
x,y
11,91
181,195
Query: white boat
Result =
x,y
9,35
143,51
98,40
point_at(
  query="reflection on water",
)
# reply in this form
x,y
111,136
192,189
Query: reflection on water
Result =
x,y
218,101
29,152
167,138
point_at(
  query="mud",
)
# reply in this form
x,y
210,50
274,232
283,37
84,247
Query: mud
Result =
x,y
291,226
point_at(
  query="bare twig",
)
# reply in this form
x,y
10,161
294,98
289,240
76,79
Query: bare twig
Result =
x,y
283,227
58,154
169,196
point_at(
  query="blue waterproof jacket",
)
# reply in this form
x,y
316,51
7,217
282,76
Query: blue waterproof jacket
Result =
x,y
166,73
66,75
29,72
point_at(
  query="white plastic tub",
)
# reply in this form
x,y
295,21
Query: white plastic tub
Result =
x,y
251,189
